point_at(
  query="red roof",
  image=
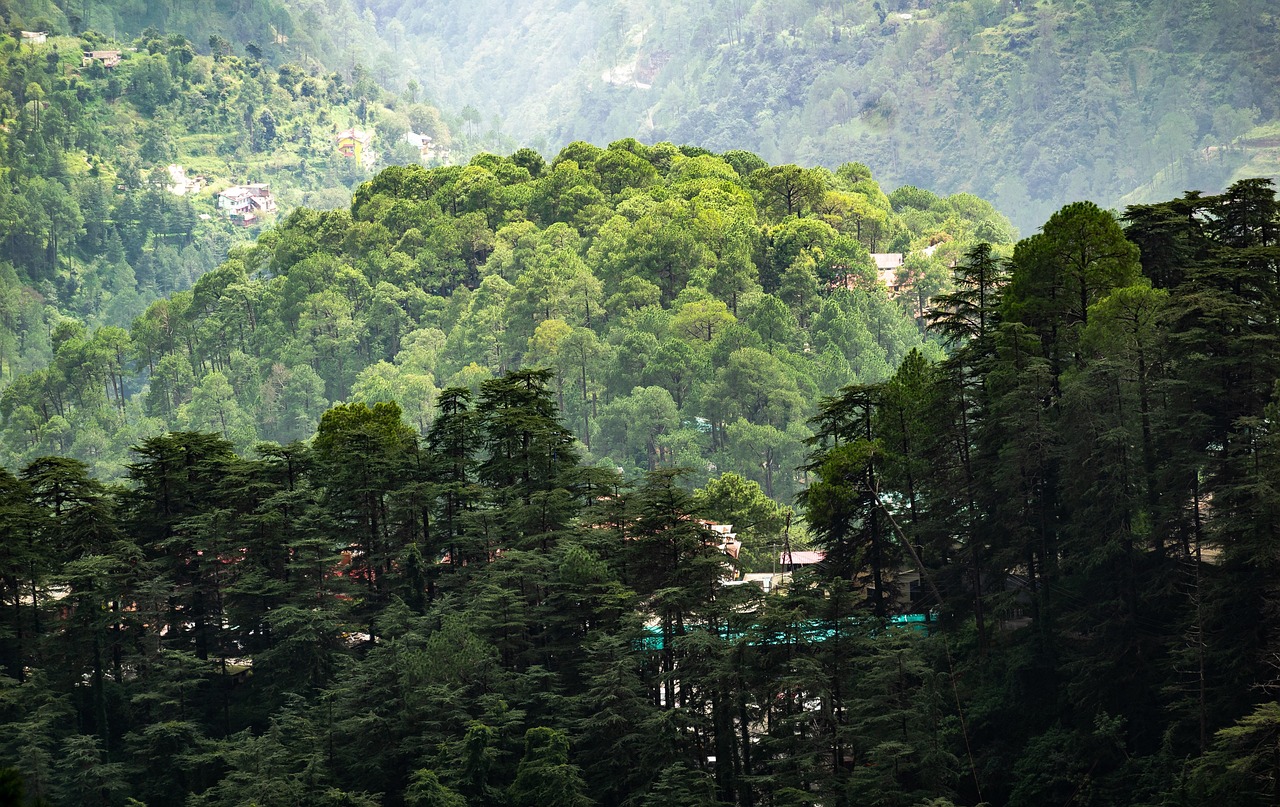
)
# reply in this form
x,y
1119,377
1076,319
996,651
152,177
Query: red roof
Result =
x,y
801,558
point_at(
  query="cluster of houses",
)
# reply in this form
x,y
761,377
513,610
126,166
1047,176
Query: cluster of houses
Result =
x,y
107,58
904,584
357,144
241,204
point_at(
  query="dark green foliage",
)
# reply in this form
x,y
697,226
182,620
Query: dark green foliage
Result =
x,y
969,313
477,618
1089,446
455,597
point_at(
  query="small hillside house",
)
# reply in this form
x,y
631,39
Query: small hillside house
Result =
x,y
887,266
108,58
243,203
423,143
354,143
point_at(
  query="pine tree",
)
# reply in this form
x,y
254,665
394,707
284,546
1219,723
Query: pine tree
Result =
x,y
22,571
971,311
361,455
545,775
529,456
176,479
844,504
453,440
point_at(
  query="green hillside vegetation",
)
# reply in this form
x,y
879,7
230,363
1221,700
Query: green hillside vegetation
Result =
x,y
1256,153
260,21
87,227
336,35
1030,104
1078,505
694,308
337,40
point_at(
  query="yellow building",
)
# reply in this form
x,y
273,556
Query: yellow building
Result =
x,y
353,143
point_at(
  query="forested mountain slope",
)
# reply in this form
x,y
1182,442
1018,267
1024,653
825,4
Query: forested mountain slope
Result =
x,y
92,222
1031,104
1085,488
334,35
695,307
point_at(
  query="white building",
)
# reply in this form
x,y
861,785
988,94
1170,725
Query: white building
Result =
x,y
243,203
887,266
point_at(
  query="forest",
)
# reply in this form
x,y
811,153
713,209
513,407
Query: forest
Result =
x,y
694,306
647,474
1030,104
1085,485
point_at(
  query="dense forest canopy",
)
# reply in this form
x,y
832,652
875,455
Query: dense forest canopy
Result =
x,y
1078,502
112,166
638,475
694,307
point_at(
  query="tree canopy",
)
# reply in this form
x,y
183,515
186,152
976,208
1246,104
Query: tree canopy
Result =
x,y
1045,566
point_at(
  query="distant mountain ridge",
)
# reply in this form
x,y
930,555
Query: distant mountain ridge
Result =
x,y
1032,104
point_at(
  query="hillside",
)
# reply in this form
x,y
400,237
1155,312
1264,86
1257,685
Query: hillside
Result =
x,y
352,455
111,165
1030,104
694,307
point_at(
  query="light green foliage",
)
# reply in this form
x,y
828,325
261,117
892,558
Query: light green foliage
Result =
x,y
701,320
655,269
755,385
630,427
213,408
758,520
427,791
415,392
1237,766
679,786
89,227
544,775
